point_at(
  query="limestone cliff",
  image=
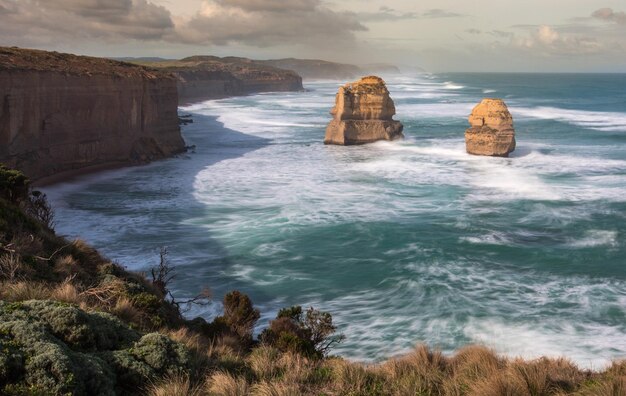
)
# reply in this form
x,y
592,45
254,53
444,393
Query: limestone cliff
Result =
x,y
363,114
491,132
210,77
62,113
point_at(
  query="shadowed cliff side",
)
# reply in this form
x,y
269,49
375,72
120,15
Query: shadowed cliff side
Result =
x,y
210,77
62,113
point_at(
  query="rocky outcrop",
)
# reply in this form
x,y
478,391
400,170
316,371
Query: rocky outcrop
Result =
x,y
62,113
363,114
209,77
491,132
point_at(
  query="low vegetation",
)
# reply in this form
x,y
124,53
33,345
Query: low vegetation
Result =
x,y
74,323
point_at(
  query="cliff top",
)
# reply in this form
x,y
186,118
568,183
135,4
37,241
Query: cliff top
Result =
x,y
240,67
367,85
13,58
316,68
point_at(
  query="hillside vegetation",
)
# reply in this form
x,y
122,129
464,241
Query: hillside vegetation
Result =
x,y
74,323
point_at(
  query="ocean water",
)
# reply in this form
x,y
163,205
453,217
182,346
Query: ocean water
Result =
x,y
403,242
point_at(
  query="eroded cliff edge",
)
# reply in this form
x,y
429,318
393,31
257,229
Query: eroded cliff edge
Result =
x,y
62,114
210,77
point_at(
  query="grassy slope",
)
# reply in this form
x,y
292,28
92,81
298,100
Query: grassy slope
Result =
x,y
72,322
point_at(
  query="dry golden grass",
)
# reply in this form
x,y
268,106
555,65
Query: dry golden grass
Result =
x,y
125,310
67,292
265,362
225,384
174,386
10,266
297,368
275,389
22,291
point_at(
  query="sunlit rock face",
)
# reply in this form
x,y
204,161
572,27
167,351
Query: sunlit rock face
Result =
x,y
491,129
362,114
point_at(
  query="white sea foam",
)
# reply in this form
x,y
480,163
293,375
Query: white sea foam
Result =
x,y
601,121
451,85
583,343
595,238
280,216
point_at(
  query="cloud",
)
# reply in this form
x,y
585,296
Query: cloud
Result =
x,y
473,31
271,5
218,22
546,40
40,21
267,23
386,14
501,34
438,13
607,14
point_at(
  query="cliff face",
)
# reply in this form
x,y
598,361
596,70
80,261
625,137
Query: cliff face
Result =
x,y
61,113
363,114
491,132
210,77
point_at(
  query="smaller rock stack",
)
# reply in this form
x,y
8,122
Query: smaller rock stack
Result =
x,y
491,132
363,114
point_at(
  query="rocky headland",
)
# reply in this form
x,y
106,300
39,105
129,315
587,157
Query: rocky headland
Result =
x,y
491,132
64,114
210,77
316,69
363,113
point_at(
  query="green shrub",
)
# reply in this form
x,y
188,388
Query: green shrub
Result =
x,y
310,334
14,184
62,349
163,355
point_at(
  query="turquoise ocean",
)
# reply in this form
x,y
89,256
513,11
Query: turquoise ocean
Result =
x,y
404,242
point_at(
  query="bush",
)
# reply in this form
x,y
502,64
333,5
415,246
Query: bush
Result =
x,y
239,314
310,333
14,184
62,349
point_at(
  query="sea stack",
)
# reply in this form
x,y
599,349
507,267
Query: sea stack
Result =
x,y
491,131
362,114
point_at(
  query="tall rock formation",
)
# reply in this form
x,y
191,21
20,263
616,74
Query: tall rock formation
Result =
x,y
491,132
62,113
363,114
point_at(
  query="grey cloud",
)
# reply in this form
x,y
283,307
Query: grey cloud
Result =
x,y
54,21
386,14
438,13
607,14
501,33
264,23
271,5
473,31
389,14
219,22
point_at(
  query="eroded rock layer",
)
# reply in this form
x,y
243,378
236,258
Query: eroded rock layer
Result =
x,y
61,113
210,77
491,129
363,113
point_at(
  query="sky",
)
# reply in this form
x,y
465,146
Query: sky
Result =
x,y
433,35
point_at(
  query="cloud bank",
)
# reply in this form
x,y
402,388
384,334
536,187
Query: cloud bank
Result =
x,y
607,14
218,22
